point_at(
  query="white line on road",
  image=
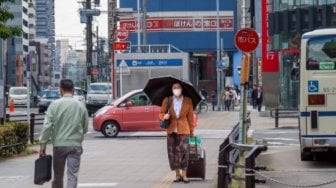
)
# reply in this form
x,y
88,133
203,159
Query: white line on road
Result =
x,y
282,139
97,184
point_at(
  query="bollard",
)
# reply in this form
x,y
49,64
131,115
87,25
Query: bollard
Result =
x,y
11,105
276,117
32,127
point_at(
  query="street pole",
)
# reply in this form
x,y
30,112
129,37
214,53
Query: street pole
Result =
x,y
243,93
219,90
144,22
138,25
120,78
28,91
88,44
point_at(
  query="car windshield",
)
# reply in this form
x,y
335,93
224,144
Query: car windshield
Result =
x,y
100,89
18,91
51,94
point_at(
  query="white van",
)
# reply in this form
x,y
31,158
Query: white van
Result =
x,y
19,95
98,95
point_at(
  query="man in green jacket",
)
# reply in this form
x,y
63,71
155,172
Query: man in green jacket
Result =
x,y
66,122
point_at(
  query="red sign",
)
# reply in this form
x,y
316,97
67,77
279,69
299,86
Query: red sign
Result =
x,y
125,45
246,40
122,34
205,23
270,61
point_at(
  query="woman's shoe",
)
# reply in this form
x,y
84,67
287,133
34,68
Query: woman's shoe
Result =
x,y
185,180
178,179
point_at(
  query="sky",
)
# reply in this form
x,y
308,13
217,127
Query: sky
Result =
x,y
67,22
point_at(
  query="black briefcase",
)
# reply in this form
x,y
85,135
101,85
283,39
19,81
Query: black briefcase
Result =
x,y
42,172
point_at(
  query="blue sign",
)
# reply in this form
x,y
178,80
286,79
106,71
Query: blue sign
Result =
x,y
313,86
151,62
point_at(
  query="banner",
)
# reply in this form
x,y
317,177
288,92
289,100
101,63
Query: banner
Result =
x,y
270,60
199,23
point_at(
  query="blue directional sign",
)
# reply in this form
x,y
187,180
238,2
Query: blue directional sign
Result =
x,y
151,62
313,86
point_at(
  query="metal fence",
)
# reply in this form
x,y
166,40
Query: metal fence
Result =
x,y
228,160
277,113
35,119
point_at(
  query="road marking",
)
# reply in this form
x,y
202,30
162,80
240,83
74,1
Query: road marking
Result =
x,y
97,184
11,178
281,139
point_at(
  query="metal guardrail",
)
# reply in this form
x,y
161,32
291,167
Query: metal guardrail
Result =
x,y
229,152
35,119
277,113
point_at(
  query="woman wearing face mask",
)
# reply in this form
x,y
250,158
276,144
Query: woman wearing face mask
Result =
x,y
181,127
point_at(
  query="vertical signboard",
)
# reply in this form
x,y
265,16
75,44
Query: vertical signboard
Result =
x,y
270,60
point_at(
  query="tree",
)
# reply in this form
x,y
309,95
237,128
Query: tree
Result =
x,y
5,15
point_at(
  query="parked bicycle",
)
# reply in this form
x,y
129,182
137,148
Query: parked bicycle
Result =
x,y
202,106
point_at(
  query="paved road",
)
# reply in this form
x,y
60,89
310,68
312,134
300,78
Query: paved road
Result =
x,y
137,159
283,156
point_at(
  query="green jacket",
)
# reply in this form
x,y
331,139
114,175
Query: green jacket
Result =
x,y
66,122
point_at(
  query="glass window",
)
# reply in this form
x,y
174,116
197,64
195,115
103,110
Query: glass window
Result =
x,y
18,91
284,4
139,100
100,89
331,1
321,53
276,5
307,2
322,2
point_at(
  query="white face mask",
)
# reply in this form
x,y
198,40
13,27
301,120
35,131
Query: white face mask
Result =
x,y
177,92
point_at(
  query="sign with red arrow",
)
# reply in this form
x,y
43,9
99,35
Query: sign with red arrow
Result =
x,y
124,45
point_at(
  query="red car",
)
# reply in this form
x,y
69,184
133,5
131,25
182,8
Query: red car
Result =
x,y
131,112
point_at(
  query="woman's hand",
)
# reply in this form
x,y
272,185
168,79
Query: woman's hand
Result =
x,y
166,116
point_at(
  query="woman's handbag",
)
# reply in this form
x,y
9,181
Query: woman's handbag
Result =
x,y
165,123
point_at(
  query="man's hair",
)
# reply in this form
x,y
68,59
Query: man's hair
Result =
x,y
67,85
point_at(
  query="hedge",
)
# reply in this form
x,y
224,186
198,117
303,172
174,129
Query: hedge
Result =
x,y
13,138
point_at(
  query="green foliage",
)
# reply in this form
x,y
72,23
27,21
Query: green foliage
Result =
x,y
5,15
11,134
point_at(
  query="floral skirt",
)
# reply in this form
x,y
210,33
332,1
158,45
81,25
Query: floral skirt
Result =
x,y
178,151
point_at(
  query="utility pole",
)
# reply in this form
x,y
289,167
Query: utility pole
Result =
x,y
144,21
98,54
218,57
88,44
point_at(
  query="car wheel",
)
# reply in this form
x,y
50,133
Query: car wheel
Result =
x,y
110,129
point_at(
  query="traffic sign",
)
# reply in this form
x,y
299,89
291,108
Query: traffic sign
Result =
x,y
125,45
246,40
122,34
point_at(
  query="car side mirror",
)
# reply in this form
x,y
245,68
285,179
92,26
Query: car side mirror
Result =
x,y
129,104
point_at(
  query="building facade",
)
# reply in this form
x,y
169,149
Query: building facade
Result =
x,y
190,27
17,47
287,21
45,28
75,67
